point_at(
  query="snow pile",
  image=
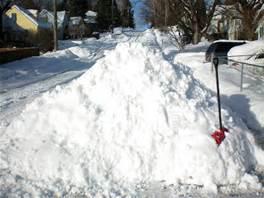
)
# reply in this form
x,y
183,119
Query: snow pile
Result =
x,y
244,52
133,118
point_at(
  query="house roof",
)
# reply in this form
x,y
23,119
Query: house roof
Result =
x,y
33,12
26,13
60,14
90,17
75,20
45,12
30,16
226,10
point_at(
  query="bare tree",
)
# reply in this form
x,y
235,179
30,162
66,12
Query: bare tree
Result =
x,y
126,12
177,37
197,17
153,12
192,17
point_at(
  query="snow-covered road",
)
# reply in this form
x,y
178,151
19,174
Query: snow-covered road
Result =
x,y
119,117
22,81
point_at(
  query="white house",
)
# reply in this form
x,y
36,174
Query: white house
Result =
x,y
90,17
62,20
90,22
76,27
260,30
226,23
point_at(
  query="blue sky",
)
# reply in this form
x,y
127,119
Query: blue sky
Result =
x,y
140,23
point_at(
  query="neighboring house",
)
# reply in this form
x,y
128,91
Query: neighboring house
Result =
x,y
218,28
260,30
90,17
90,22
76,27
235,31
226,24
62,20
20,26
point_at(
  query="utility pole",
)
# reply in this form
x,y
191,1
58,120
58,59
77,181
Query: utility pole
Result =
x,y
55,25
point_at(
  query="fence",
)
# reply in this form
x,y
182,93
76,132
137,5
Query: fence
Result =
x,y
12,54
257,70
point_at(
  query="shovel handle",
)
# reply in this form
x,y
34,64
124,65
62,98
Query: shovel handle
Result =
x,y
216,63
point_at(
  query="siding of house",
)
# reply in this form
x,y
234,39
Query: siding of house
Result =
x,y
48,17
235,29
260,31
23,29
22,21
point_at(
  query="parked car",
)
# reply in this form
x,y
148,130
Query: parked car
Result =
x,y
221,48
252,52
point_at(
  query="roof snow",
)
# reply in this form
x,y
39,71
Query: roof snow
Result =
x,y
26,13
60,14
75,20
90,17
89,20
224,10
90,13
33,12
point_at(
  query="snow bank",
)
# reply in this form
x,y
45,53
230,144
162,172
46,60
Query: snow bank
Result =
x,y
133,118
244,52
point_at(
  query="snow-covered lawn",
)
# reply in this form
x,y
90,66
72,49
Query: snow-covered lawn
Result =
x,y
121,117
248,104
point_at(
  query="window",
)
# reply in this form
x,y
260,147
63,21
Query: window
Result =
x,y
14,18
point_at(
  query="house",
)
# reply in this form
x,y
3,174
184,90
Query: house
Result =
x,y
218,27
260,29
62,20
235,29
226,24
90,22
90,17
76,27
21,27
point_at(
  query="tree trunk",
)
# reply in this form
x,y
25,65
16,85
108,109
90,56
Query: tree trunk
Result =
x,y
55,25
197,33
249,24
250,34
166,12
250,31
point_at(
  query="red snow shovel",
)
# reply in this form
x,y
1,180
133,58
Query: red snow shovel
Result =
x,y
219,134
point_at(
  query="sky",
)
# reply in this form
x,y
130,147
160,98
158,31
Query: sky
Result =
x,y
140,23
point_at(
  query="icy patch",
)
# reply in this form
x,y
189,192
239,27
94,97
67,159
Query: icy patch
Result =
x,y
133,118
